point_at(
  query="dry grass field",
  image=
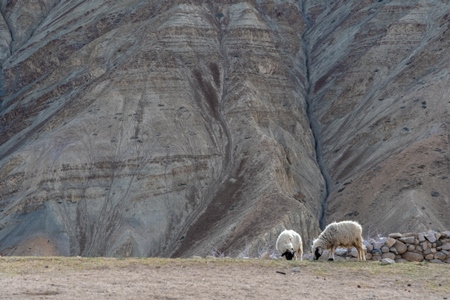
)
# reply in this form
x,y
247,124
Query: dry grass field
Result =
x,y
217,278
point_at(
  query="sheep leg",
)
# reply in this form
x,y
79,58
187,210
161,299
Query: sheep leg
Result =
x,y
331,254
361,254
300,253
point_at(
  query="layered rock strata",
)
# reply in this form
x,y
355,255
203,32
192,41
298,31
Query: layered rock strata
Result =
x,y
379,97
157,128
174,128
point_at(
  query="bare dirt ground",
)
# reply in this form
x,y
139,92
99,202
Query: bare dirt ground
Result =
x,y
156,278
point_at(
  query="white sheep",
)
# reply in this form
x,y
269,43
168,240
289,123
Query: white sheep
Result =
x,y
342,234
289,244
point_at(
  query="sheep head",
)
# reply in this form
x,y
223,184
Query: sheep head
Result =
x,y
289,254
317,253
317,249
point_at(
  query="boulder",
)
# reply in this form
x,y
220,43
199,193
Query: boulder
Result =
x,y
436,261
354,252
377,244
341,252
368,245
385,249
376,252
420,237
446,246
412,256
395,235
437,235
393,250
387,261
439,255
400,247
445,234
388,256
376,257
429,256
407,239
413,234
430,236
390,242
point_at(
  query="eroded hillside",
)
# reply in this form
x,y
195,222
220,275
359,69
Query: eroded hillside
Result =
x,y
380,96
174,128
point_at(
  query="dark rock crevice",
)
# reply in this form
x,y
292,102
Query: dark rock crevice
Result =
x,y
312,121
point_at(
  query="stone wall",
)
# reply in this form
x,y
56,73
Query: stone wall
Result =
x,y
428,246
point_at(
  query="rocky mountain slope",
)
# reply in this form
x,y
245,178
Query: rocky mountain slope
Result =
x,y
380,98
174,128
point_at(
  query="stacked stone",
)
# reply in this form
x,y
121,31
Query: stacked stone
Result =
x,y
431,246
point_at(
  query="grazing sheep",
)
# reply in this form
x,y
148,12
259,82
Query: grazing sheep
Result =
x,y
342,234
289,243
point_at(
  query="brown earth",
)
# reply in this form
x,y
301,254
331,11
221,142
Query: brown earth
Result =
x,y
101,278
